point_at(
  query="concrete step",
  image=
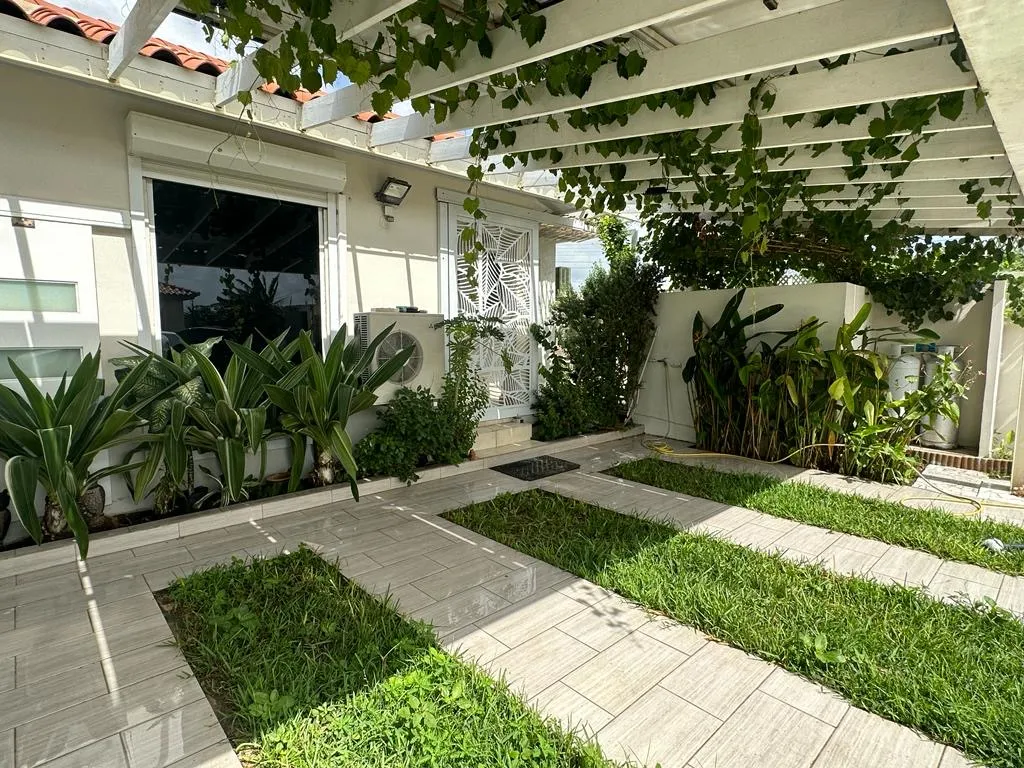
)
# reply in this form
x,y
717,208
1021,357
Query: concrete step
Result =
x,y
496,434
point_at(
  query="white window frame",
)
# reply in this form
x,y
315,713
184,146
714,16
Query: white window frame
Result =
x,y
173,152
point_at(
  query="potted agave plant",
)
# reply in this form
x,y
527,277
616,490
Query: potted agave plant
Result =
x,y
53,441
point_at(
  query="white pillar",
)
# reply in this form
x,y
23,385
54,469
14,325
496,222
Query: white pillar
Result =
x,y
1017,473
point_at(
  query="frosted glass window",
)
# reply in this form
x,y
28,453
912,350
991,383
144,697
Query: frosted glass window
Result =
x,y
40,363
37,296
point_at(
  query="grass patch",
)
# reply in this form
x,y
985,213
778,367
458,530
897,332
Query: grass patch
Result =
x,y
955,673
949,536
308,670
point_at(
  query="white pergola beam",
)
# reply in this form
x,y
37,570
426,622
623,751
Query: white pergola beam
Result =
x,y
918,73
922,190
952,146
349,18
823,32
570,24
992,33
775,134
141,24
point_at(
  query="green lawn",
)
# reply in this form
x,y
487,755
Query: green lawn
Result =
x,y
308,670
949,536
953,672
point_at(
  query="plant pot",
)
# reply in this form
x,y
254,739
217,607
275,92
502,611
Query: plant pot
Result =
x,y
90,505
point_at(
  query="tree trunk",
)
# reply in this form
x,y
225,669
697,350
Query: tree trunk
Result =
x,y
324,468
90,505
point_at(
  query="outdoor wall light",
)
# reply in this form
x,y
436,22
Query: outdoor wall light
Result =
x,y
393,191
391,194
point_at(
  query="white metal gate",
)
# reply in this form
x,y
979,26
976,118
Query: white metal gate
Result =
x,y
500,283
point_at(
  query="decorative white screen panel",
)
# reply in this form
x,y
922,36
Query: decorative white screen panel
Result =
x,y
500,283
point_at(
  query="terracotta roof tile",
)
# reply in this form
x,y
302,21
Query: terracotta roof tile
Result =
x,y
75,22
169,289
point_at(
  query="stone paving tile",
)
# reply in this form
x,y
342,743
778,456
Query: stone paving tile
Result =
x,y
541,661
843,559
529,618
1011,595
409,599
755,536
460,578
906,566
573,709
6,621
401,550
521,583
44,633
23,705
461,609
785,737
620,674
73,599
98,718
164,740
360,544
584,591
7,747
952,758
218,756
39,589
385,578
7,676
40,663
659,728
806,540
810,698
604,624
475,644
684,639
718,678
868,741
106,753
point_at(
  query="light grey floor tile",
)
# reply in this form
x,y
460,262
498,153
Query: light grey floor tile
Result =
x,y
45,633
78,599
619,675
1011,594
403,550
861,544
521,583
953,758
573,709
459,578
785,737
807,540
409,599
38,664
6,621
360,544
539,662
529,618
7,677
106,753
972,573
218,756
172,737
604,624
475,644
7,747
869,741
28,703
685,639
98,718
659,728
457,611
381,580
844,560
808,697
906,566
754,536
718,678
584,591
66,581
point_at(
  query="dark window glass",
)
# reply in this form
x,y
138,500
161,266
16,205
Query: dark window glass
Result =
x,y
234,265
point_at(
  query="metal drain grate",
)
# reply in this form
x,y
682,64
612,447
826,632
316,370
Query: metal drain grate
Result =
x,y
536,468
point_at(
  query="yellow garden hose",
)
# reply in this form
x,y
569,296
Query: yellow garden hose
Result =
x,y
977,506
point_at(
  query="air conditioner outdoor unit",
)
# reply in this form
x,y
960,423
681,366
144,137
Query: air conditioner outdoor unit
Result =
x,y
426,365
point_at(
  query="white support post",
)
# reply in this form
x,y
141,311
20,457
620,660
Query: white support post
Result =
x,y
995,354
140,25
1017,472
826,31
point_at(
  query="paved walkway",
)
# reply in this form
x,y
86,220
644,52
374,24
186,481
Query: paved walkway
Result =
x,y
88,679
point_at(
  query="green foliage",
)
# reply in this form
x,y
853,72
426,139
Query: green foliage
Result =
x,y
951,672
53,441
597,341
932,530
317,396
783,396
311,671
416,428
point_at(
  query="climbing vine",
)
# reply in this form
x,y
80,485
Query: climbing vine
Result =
x,y
753,195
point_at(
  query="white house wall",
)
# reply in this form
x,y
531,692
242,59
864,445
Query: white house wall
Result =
x,y
663,407
1011,367
65,143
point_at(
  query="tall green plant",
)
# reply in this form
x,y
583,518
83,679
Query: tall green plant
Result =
x,y
53,441
318,395
603,335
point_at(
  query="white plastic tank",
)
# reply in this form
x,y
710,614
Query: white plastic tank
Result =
x,y
904,372
939,431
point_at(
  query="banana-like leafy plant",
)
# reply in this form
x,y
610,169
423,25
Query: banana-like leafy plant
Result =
x,y
53,440
318,395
